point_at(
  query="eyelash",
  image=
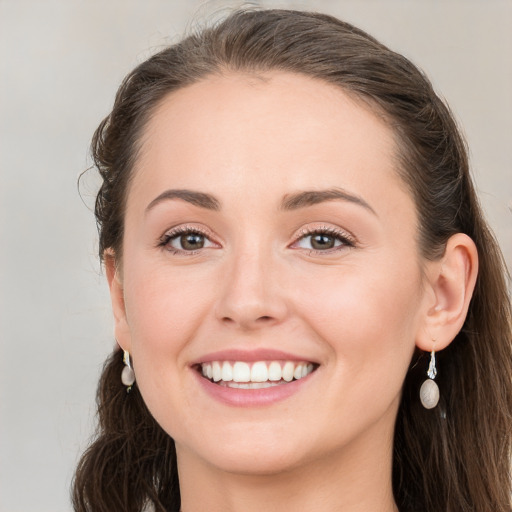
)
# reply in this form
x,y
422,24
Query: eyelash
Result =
x,y
346,240
177,232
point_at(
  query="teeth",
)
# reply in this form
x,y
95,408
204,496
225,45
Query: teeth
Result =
x,y
227,372
248,385
241,372
274,371
260,374
216,371
288,370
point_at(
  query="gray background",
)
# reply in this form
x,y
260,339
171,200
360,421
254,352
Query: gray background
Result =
x,y
60,64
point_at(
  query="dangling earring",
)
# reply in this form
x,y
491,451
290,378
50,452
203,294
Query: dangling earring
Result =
x,y
127,375
429,391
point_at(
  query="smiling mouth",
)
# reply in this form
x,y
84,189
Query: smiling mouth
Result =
x,y
257,375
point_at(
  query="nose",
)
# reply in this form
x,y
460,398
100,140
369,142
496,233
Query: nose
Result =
x,y
252,296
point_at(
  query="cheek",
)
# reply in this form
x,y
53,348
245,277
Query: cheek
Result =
x,y
368,320
164,311
367,313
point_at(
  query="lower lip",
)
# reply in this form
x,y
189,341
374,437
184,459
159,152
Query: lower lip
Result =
x,y
251,397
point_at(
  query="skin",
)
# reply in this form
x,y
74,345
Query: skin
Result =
x,y
357,310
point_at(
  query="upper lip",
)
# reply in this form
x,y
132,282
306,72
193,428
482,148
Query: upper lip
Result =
x,y
251,356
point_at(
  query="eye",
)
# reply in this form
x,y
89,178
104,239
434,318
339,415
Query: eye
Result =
x,y
324,240
185,240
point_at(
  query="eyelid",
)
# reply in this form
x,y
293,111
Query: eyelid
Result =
x,y
323,227
185,228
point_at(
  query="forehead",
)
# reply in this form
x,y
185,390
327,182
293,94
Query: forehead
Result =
x,y
305,106
234,131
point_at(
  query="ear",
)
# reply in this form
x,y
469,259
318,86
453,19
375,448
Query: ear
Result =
x,y
451,281
121,328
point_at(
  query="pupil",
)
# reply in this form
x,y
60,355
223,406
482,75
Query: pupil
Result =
x,y
192,241
322,242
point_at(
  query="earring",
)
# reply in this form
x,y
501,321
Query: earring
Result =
x,y
127,375
429,391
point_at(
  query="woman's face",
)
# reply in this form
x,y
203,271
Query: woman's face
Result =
x,y
267,234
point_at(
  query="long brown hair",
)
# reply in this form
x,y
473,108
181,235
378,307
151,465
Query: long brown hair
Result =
x,y
453,458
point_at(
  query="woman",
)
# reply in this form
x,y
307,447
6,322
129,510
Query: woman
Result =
x,y
310,309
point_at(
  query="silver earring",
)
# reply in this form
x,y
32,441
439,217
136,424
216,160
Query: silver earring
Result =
x,y
127,375
429,391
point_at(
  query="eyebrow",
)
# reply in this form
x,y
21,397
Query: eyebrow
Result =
x,y
312,197
200,199
290,201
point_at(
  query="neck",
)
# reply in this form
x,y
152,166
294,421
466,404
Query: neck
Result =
x,y
355,479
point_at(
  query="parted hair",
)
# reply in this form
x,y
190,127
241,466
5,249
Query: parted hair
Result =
x,y
454,458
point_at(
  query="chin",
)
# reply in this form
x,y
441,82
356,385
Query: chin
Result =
x,y
258,451
256,462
